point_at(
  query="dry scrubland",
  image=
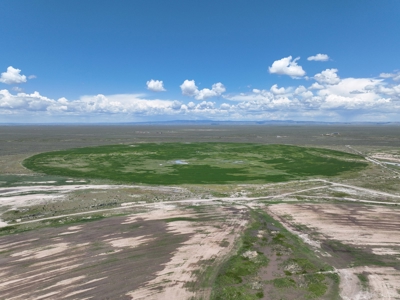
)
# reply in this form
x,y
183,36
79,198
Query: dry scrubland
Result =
x,y
323,237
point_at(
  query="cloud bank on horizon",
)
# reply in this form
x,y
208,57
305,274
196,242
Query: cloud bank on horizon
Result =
x,y
325,96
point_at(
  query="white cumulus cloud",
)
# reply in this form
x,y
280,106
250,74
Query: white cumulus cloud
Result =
x,y
155,85
319,57
23,101
286,66
300,89
277,91
12,76
17,89
126,104
361,96
328,76
225,106
316,86
395,76
189,88
216,90
386,75
391,91
353,93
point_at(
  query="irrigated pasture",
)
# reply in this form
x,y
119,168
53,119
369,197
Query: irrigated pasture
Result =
x,y
196,163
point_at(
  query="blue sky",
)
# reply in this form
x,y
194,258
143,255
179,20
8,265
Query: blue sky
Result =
x,y
129,61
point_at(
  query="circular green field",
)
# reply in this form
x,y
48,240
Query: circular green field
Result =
x,y
195,163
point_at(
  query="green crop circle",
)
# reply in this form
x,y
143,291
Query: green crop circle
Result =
x,y
196,163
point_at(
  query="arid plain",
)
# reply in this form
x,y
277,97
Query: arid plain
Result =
x,y
320,237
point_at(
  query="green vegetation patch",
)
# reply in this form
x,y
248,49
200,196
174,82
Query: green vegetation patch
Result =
x,y
232,280
195,163
301,274
10,229
363,277
237,277
180,219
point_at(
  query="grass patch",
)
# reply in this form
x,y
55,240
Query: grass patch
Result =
x,y
284,282
180,219
316,285
236,275
204,275
12,230
224,243
71,220
301,267
340,194
231,281
363,280
235,292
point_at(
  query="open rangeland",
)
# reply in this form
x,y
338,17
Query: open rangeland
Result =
x,y
199,212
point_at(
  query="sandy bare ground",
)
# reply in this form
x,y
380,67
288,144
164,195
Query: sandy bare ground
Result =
x,y
362,226
349,224
386,156
28,200
7,191
384,283
350,286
